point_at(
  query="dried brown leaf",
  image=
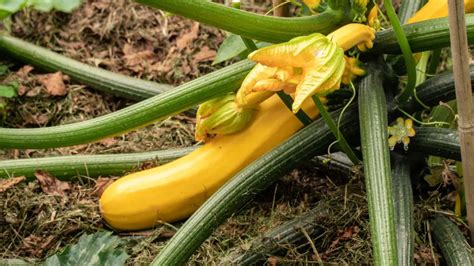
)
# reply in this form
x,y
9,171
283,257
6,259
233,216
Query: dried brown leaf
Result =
x,y
51,185
188,37
54,84
100,185
24,71
205,54
5,184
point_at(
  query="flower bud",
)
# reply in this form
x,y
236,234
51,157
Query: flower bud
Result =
x,y
221,116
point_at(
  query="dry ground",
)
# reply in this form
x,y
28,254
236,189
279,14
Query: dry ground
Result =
x,y
134,40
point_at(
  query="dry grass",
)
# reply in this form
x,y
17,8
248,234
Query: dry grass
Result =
x,y
125,37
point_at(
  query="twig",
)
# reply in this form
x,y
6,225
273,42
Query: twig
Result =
x,y
280,8
462,81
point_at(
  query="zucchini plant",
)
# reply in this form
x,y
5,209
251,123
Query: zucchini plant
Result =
x,y
257,120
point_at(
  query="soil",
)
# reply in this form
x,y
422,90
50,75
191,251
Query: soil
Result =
x,y
138,41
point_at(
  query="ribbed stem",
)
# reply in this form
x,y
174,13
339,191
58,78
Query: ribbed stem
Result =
x,y
97,78
67,167
138,115
251,25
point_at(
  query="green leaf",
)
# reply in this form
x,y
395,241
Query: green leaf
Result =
x,y
66,5
231,47
3,68
12,6
96,249
9,90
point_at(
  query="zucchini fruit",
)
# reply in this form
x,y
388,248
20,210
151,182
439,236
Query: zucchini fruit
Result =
x,y
309,141
66,167
194,178
442,142
97,78
408,8
376,158
403,199
436,89
451,242
422,36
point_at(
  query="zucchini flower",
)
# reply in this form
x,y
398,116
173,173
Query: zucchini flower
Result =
x,y
221,115
352,70
313,4
307,65
401,132
372,18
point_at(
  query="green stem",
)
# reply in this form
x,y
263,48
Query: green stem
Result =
x,y
97,78
254,26
345,147
138,115
433,66
249,44
406,50
68,167
288,101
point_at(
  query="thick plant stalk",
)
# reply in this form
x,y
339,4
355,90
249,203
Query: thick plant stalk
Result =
x,y
422,36
460,55
451,242
403,198
254,26
97,78
138,115
376,157
67,167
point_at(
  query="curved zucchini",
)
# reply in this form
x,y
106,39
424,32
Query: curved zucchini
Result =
x,y
436,89
254,26
66,167
443,142
138,115
376,157
403,199
451,241
251,180
191,178
100,79
422,36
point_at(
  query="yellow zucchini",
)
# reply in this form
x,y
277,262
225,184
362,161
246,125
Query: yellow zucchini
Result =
x,y
438,9
174,191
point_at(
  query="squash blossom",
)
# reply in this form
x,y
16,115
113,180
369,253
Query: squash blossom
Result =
x,y
401,132
309,65
221,115
313,4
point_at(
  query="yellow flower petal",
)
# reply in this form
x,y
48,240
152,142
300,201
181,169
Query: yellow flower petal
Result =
x,y
298,52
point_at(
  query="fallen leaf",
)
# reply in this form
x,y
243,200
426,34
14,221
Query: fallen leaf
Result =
x,y
54,84
188,37
108,142
272,261
100,185
205,54
133,58
51,185
35,245
5,184
23,72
